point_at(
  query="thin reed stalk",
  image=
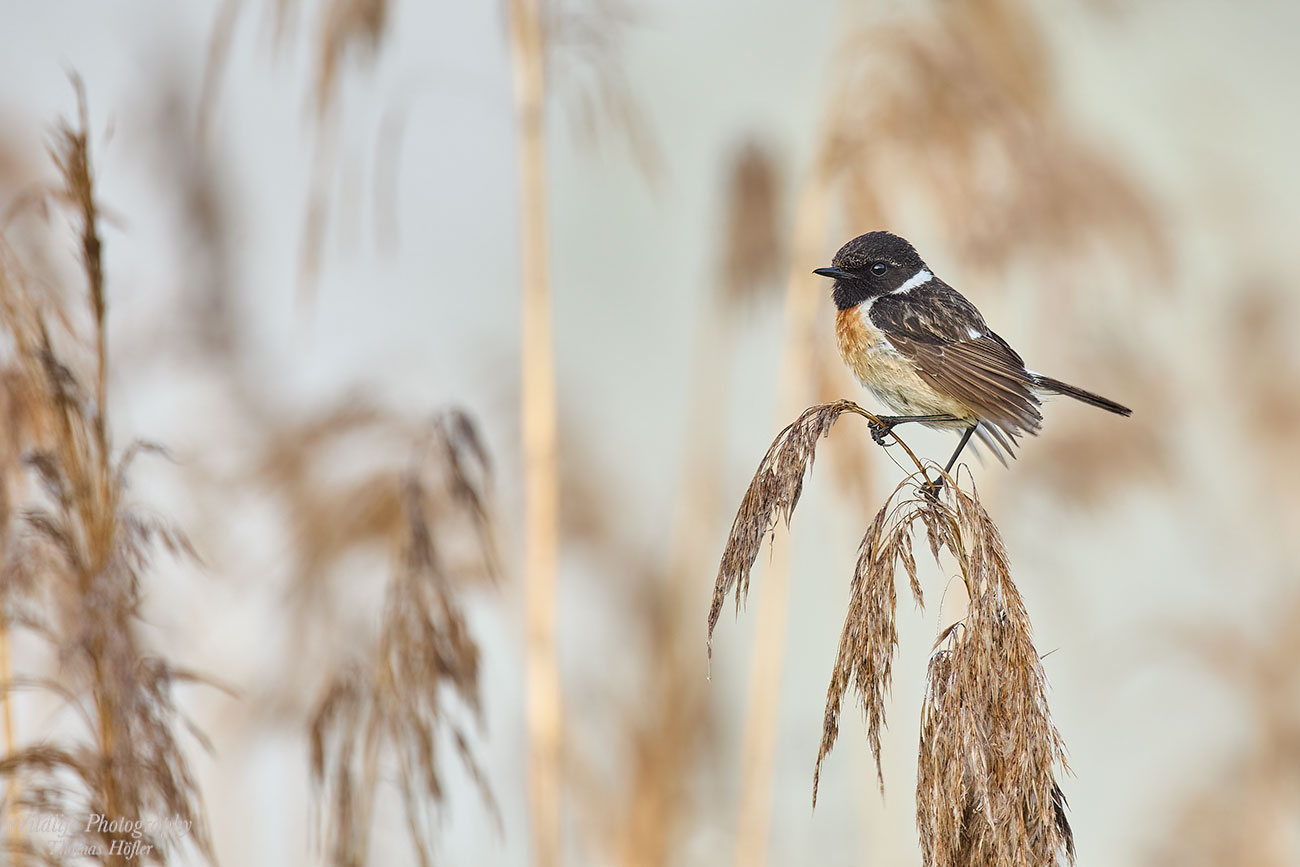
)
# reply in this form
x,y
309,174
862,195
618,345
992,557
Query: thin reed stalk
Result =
x,y
541,476
12,828
763,705
639,812
661,805
670,729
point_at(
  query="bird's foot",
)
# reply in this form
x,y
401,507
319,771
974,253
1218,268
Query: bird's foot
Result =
x,y
881,428
930,490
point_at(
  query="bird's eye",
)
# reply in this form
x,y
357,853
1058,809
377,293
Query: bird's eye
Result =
x,y
879,268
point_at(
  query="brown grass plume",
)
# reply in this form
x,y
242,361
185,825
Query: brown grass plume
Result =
x,y
989,753
78,557
384,714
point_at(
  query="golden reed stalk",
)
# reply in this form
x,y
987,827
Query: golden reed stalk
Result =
x,y
541,483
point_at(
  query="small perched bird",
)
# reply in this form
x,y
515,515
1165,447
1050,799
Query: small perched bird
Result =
x,y
926,352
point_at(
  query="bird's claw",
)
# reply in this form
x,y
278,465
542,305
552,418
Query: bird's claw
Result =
x,y
930,490
879,430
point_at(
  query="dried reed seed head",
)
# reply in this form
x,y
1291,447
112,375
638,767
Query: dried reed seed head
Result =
x,y
585,49
84,553
866,649
869,637
70,152
772,496
385,713
346,26
986,768
986,785
332,518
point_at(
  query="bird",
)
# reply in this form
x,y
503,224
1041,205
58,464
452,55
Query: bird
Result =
x,y
926,352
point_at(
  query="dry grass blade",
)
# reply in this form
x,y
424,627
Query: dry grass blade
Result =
x,y
389,711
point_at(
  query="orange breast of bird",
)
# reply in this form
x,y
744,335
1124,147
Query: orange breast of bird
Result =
x,y
890,375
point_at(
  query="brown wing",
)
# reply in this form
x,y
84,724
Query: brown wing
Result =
x,y
957,355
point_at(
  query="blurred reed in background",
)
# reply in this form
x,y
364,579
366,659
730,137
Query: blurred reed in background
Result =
x,y
387,714
77,556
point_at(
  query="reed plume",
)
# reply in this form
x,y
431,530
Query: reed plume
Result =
x,y
583,41
986,778
986,788
954,111
383,714
389,693
797,362
755,254
343,31
78,556
770,499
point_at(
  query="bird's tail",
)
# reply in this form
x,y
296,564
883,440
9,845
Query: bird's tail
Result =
x,y
1055,385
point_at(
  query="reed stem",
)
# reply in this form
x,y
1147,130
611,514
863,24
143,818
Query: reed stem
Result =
x,y
541,483
763,707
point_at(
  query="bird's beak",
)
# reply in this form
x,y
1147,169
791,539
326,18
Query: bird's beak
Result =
x,y
833,273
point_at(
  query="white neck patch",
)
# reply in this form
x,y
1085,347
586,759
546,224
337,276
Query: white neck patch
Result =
x,y
920,278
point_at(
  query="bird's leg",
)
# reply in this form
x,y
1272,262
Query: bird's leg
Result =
x,y
965,438
931,489
882,425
